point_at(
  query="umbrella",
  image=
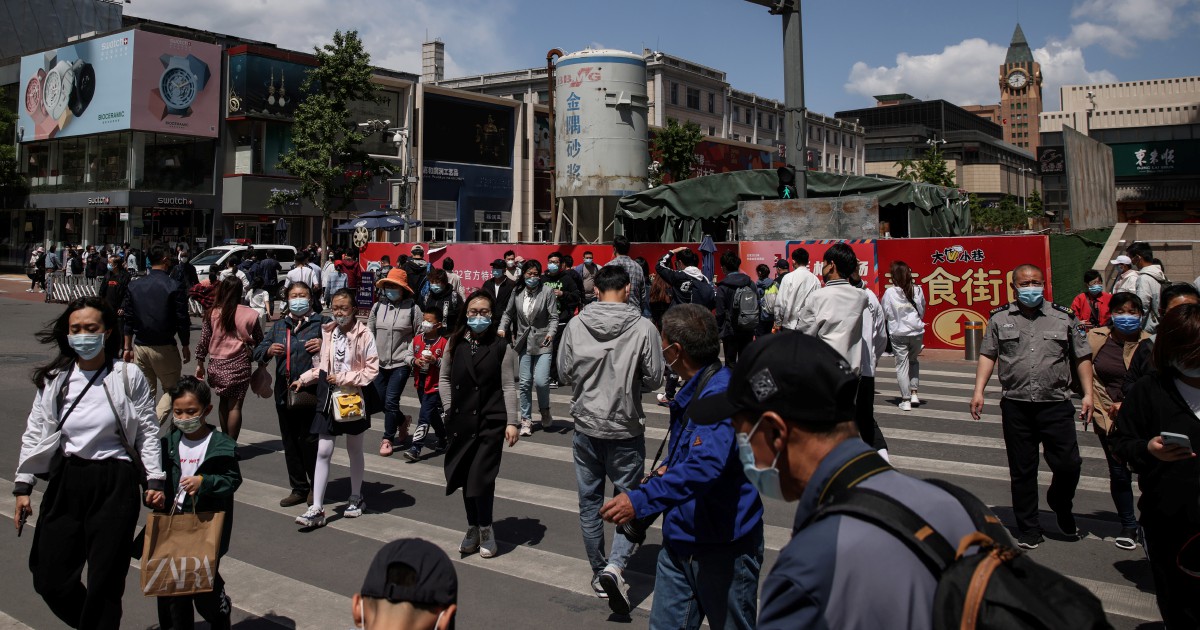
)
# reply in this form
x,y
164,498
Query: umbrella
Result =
x,y
707,263
376,220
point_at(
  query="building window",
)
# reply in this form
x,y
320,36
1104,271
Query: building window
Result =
x,y
674,93
748,116
712,131
759,119
712,103
770,121
693,98
737,113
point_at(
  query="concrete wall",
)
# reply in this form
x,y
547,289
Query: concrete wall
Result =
x,y
1091,183
1176,244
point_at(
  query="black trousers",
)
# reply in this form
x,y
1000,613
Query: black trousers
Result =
x,y
87,516
299,447
1050,425
734,344
864,414
179,613
1178,593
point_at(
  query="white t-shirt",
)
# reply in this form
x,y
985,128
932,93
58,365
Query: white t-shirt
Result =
x,y
1191,396
90,432
191,453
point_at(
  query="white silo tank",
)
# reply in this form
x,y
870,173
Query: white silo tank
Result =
x,y
601,111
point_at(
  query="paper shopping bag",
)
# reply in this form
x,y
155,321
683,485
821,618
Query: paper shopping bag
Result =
x,y
180,553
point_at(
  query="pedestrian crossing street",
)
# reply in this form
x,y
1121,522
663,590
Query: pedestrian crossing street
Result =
x,y
278,576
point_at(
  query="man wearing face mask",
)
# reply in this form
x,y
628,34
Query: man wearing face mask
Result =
x,y
797,441
1126,275
512,266
712,524
500,286
1035,342
410,585
569,294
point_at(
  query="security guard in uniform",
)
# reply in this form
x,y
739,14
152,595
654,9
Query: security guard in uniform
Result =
x,y
1036,342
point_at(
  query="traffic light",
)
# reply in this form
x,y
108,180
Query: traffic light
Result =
x,y
787,182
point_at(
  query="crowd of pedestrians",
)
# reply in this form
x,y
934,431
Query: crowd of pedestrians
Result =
x,y
749,421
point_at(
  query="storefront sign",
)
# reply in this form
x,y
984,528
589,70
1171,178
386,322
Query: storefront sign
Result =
x,y
365,296
493,217
130,80
1052,161
99,201
174,202
124,216
963,279
1176,157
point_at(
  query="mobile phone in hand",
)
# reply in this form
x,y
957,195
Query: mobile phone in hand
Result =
x,y
1176,439
21,523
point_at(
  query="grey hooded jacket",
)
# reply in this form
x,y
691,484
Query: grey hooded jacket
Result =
x,y
609,355
1150,281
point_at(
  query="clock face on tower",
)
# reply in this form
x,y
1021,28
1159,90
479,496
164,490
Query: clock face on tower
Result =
x,y
1017,79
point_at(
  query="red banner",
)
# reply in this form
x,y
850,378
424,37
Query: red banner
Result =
x,y
755,253
963,278
864,250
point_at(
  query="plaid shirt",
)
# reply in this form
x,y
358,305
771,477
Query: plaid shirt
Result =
x,y
637,279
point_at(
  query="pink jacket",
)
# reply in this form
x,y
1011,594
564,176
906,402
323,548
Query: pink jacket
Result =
x,y
216,343
364,358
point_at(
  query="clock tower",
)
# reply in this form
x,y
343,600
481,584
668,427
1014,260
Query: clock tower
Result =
x,y
1020,94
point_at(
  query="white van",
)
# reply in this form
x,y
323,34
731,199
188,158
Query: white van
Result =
x,y
219,255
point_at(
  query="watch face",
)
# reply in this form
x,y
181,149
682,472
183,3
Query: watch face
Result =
x,y
84,88
54,93
178,88
33,93
1017,80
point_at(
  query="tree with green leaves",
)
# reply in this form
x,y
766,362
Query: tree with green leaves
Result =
x,y
676,146
931,169
1034,204
326,154
13,185
1007,215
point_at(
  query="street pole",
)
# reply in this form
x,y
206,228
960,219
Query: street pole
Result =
x,y
793,92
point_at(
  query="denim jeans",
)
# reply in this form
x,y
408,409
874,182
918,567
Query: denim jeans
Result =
x,y
389,384
535,370
431,416
720,585
624,463
1120,486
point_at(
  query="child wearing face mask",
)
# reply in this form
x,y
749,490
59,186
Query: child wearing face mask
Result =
x,y
427,349
202,476
1091,306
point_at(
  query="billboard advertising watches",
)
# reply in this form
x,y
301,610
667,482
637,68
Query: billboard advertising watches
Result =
x,y
89,87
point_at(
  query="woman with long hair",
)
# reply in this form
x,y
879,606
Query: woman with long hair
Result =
x,y
228,335
93,432
1158,430
532,314
477,385
904,307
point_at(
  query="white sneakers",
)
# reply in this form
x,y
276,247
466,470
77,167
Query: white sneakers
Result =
x,y
470,542
617,590
906,406
487,543
526,427
313,517
355,507
914,400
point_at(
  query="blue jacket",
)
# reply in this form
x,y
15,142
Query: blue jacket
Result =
x,y
846,574
703,481
308,328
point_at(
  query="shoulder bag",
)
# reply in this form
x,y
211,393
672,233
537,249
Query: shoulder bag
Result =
x,y
56,437
302,399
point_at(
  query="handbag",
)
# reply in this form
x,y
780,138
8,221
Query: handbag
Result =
x,y
296,399
261,381
347,403
180,552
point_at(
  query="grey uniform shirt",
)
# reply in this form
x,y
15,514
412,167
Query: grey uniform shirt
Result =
x,y
1035,354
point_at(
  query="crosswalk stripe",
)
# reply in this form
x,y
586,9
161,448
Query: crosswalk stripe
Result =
x,y
542,496
984,471
1122,600
9,623
924,372
254,590
953,439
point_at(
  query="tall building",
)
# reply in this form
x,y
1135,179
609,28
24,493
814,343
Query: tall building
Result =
x,y
1020,94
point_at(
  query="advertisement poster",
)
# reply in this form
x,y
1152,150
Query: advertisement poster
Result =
x,y
864,250
266,86
963,278
755,253
468,132
89,87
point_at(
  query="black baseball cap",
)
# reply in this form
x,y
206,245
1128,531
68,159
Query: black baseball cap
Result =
x,y
432,581
798,376
498,263
782,263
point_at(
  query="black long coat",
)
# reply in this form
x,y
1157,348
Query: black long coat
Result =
x,y
479,394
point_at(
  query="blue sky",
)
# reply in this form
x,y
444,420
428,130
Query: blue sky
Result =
x,y
853,48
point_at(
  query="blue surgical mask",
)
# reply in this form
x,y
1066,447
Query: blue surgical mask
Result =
x,y
391,294
86,345
299,306
435,288
188,425
765,480
552,268
478,324
1095,289
1187,372
1127,323
1031,296
587,261
110,267
496,273
532,282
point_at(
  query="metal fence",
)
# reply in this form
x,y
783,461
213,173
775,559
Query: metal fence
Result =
x,y
62,288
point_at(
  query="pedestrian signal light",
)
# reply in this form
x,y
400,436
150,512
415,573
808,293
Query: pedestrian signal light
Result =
x,y
787,182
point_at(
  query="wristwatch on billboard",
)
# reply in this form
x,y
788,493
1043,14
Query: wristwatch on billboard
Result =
x,y
183,78
57,91
83,87
34,105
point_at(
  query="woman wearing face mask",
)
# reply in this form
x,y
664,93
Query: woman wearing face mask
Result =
x,y
202,475
442,297
349,358
1112,350
1159,408
479,400
92,430
292,342
227,339
532,316
393,322
1091,306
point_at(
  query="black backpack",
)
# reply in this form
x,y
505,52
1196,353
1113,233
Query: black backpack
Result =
x,y
997,587
745,305
702,293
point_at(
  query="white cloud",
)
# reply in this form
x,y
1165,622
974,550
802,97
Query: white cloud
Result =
x,y
392,30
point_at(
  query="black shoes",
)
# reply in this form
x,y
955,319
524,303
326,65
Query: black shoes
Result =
x,y
1030,540
1066,524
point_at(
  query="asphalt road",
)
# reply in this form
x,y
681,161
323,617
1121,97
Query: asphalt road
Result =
x,y
279,576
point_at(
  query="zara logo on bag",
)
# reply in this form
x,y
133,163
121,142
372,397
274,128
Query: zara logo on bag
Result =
x,y
196,573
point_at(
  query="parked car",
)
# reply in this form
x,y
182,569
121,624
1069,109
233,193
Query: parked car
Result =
x,y
285,254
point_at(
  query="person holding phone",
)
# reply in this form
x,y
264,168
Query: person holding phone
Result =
x,y
1157,430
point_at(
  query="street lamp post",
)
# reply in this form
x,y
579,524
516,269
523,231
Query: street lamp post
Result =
x,y
793,87
1024,198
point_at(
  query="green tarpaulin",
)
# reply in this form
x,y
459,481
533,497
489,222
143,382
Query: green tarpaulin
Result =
x,y
685,211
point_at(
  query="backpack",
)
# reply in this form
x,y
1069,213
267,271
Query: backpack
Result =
x,y
998,587
702,293
767,303
745,304
76,265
